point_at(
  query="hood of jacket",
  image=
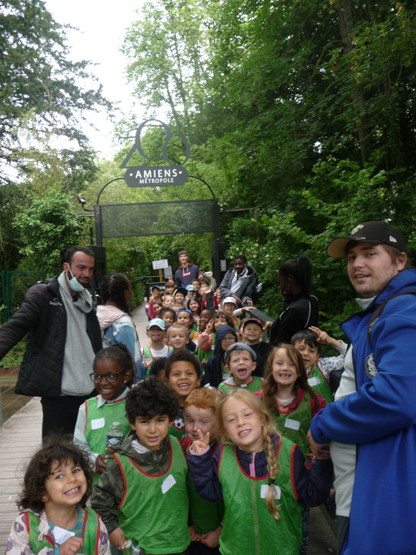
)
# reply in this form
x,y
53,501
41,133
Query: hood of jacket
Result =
x,y
108,314
151,462
219,336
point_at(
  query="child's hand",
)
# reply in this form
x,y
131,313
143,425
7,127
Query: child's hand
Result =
x,y
319,450
71,546
195,537
250,307
324,338
117,538
210,326
267,325
212,539
101,463
201,444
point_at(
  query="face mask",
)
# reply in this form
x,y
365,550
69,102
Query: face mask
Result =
x,y
74,284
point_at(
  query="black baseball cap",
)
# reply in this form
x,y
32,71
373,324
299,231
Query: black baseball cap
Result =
x,y
368,232
251,321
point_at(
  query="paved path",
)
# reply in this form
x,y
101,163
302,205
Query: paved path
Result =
x,y
20,437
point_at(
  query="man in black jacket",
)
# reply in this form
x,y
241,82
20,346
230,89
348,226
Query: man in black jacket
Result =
x,y
63,337
240,281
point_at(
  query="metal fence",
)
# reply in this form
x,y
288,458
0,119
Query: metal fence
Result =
x,y
14,285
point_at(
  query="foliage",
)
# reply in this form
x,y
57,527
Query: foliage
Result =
x,y
337,196
167,52
44,228
15,356
39,83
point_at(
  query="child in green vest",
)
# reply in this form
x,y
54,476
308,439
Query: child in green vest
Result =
x,y
183,374
156,332
240,361
142,497
293,404
113,371
288,396
260,476
318,370
205,517
57,484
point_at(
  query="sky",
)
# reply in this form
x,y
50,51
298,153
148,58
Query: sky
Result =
x,y
102,25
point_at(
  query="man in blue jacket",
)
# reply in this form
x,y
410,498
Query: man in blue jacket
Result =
x,y
371,427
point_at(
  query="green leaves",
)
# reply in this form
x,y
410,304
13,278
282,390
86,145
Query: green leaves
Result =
x,y
44,228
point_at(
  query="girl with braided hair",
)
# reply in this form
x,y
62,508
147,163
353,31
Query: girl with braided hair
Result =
x,y
260,476
116,324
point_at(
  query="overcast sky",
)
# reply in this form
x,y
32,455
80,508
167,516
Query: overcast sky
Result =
x,y
102,25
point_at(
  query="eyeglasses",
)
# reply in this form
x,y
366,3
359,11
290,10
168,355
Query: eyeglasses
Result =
x,y
112,377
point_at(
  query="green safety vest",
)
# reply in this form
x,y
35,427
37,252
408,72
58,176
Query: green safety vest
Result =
x,y
255,385
302,416
90,532
154,509
206,516
110,412
320,383
149,358
248,526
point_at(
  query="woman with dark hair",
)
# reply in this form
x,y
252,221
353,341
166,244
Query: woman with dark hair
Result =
x,y
116,324
295,280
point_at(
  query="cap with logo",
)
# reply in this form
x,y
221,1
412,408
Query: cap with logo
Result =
x,y
368,232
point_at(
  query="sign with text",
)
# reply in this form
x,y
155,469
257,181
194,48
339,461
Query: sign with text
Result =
x,y
156,176
159,264
147,175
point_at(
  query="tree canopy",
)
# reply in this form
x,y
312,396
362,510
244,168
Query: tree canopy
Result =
x,y
39,84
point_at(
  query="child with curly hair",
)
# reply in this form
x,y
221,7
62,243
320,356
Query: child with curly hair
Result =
x,y
54,519
142,497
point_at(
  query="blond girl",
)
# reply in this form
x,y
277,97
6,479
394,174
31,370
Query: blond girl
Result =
x,y
260,476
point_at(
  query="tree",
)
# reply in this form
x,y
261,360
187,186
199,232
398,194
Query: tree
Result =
x,y
168,48
38,81
44,228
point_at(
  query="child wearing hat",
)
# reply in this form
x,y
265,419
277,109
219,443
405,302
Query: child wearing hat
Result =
x,y
179,296
251,331
156,332
240,361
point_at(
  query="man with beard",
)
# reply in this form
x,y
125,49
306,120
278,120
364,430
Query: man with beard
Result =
x,y
63,336
240,281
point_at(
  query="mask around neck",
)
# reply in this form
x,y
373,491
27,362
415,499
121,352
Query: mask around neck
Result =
x,y
74,284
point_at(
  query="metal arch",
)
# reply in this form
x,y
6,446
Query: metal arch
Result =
x,y
106,185
205,183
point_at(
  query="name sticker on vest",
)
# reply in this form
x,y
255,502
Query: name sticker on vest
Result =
x,y
168,483
292,424
61,535
264,489
97,423
314,381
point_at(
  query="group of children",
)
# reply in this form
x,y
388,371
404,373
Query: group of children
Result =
x,y
223,468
